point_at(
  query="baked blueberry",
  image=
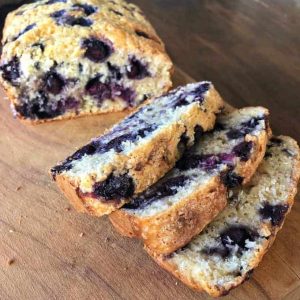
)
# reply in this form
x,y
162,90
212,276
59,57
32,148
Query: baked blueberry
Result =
x,y
137,70
96,50
243,150
88,9
230,179
115,187
237,235
274,213
54,83
11,71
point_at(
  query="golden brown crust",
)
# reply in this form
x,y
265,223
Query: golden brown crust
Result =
x,y
170,230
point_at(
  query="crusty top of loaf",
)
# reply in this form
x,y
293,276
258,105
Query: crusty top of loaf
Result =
x,y
122,23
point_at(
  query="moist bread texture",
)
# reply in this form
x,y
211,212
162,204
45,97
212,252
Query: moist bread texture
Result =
x,y
68,58
104,174
168,214
224,255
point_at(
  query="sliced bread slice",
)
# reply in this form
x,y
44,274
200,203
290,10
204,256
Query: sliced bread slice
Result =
x,y
101,176
225,253
168,214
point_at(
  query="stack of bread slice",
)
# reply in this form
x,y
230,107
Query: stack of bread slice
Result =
x,y
205,188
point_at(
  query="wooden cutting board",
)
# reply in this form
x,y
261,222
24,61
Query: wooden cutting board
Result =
x,y
48,251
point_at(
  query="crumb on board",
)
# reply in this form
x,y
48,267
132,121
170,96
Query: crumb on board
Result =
x,y
18,188
107,239
68,208
11,230
81,234
10,261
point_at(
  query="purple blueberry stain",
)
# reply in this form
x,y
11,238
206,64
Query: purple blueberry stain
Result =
x,y
274,213
11,71
97,50
136,69
115,187
161,190
62,18
54,83
101,91
230,179
245,128
237,235
243,150
88,9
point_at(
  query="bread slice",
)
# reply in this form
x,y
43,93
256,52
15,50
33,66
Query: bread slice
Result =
x,y
101,176
225,253
62,59
170,213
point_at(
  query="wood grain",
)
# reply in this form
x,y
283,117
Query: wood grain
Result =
x,y
250,50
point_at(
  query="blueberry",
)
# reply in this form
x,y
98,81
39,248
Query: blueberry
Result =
x,y
188,162
27,28
235,134
230,179
245,128
274,213
88,9
114,71
114,187
243,150
121,92
181,102
55,1
97,89
71,103
158,191
137,70
40,108
142,34
198,132
54,83
57,14
237,235
200,91
80,21
116,143
96,50
11,71
146,130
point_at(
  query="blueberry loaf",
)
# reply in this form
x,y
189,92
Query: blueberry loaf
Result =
x,y
65,58
167,215
225,253
104,174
